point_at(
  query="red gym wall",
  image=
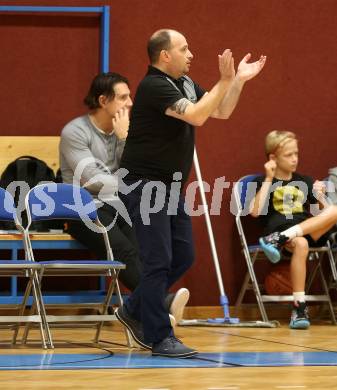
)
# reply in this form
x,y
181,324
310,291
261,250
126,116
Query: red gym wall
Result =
x,y
47,62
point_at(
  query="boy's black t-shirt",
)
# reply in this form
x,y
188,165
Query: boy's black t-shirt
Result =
x,y
289,202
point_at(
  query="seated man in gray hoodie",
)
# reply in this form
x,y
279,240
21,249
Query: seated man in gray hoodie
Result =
x,y
90,152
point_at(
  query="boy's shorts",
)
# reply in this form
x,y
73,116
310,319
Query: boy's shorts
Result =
x,y
321,241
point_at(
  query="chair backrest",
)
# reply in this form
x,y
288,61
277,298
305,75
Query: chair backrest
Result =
x,y
59,201
63,201
7,207
244,190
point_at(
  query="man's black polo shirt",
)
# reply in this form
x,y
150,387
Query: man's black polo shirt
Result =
x,y
158,145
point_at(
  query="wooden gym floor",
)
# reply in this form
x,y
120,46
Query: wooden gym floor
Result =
x,y
230,358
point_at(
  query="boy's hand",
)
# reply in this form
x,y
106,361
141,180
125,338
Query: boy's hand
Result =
x,y
120,123
319,189
270,168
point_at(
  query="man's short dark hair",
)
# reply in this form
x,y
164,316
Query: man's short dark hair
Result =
x,y
159,41
103,84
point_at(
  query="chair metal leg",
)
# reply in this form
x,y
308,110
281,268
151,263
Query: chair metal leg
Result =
x,y
326,290
23,307
313,273
38,309
106,302
38,278
250,265
114,285
332,261
243,290
38,306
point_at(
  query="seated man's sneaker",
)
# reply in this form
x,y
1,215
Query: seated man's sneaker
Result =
x,y
134,326
299,316
178,303
272,244
172,347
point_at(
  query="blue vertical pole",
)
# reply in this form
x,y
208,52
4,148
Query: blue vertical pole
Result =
x,y
105,45
105,38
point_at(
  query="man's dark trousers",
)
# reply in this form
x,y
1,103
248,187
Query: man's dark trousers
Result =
x,y
166,251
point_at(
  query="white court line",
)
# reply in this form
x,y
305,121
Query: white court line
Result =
x,y
224,388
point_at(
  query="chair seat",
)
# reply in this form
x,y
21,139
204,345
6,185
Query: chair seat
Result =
x,y
21,264
82,264
254,248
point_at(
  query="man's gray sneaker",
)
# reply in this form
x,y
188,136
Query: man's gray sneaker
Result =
x,y
134,326
172,347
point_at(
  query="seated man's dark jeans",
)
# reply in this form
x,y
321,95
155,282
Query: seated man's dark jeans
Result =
x,y
122,240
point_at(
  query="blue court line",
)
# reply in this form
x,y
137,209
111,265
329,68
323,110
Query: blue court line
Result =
x,y
54,361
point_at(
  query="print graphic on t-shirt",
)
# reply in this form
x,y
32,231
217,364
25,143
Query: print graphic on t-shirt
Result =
x,y
288,200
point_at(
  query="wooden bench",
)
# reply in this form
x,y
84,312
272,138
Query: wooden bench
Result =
x,y
46,149
43,147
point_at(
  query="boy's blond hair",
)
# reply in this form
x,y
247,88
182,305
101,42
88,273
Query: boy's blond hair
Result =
x,y
276,139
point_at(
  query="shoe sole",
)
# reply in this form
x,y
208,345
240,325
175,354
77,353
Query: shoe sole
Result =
x,y
131,331
273,254
178,304
180,355
172,321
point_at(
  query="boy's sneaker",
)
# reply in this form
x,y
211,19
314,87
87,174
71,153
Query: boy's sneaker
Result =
x,y
134,326
299,316
272,244
172,347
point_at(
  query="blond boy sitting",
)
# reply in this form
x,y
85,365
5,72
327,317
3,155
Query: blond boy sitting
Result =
x,y
284,203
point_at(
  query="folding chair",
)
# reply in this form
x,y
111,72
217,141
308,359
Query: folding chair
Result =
x,y
24,269
332,282
243,192
331,193
65,201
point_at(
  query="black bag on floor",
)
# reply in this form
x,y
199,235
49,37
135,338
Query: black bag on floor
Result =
x,y
18,178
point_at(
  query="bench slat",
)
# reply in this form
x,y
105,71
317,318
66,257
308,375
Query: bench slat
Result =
x,y
43,147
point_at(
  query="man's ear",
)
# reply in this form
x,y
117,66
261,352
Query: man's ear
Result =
x,y
272,157
102,100
164,56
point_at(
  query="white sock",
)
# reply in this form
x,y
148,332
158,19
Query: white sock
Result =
x,y
299,296
294,231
